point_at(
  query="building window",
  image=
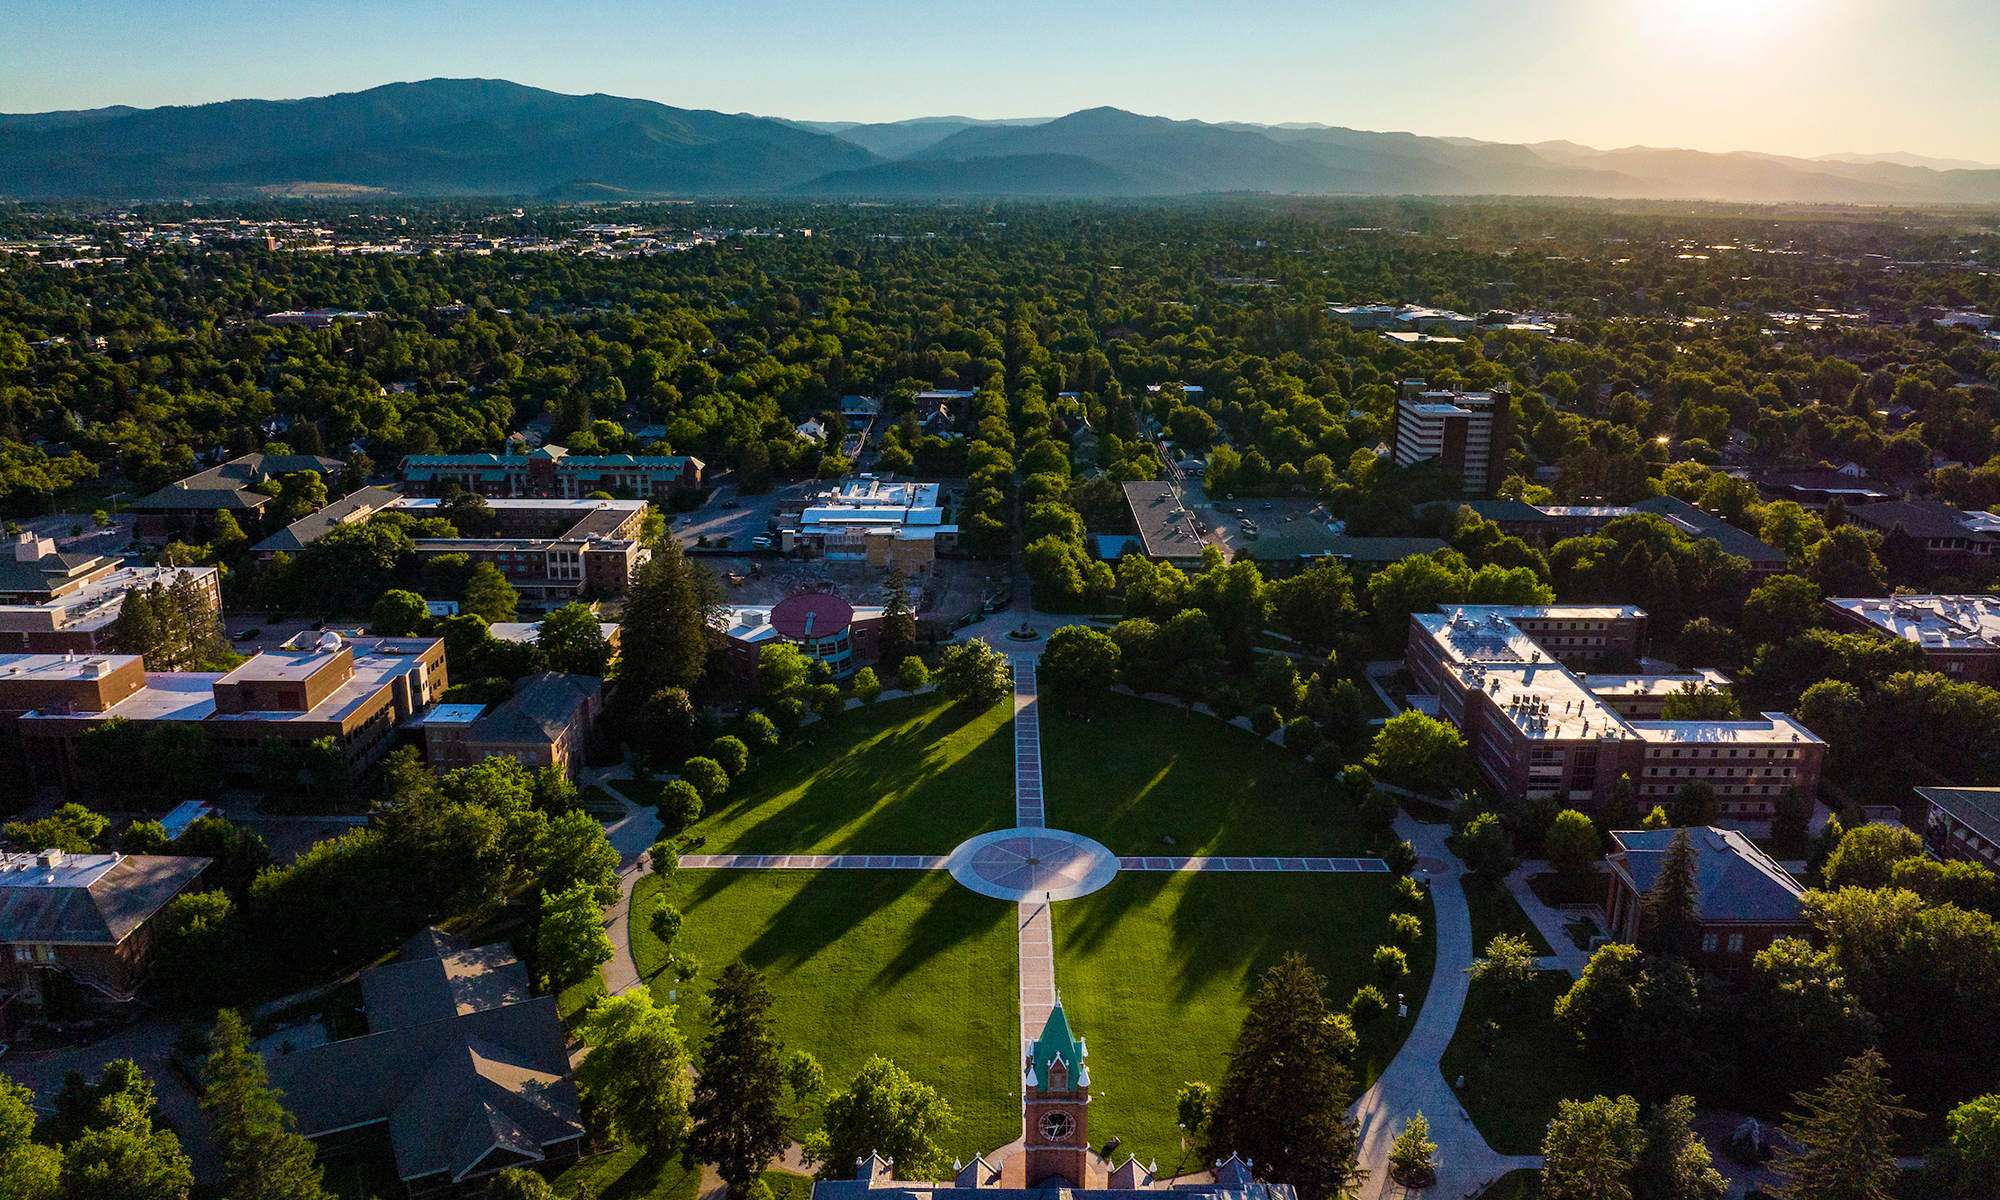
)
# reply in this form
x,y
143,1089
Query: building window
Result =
x,y
1708,943
1735,943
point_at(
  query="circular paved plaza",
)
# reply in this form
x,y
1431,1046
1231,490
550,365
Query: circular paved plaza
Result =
x,y
1032,864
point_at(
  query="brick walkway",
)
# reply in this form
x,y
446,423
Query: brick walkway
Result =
x,y
814,862
1198,863
1027,745
1038,969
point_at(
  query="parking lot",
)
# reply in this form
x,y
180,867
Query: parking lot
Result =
x,y
1224,515
729,521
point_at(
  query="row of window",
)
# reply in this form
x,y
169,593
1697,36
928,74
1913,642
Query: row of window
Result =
x,y
1714,752
1673,772
1727,789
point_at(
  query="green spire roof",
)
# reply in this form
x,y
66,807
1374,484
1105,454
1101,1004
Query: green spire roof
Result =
x,y
1057,1042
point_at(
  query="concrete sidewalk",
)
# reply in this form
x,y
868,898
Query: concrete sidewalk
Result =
x,y
631,836
1413,1082
1548,921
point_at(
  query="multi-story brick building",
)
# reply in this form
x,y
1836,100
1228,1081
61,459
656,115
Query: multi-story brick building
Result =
x,y
79,616
87,916
352,691
546,723
1454,429
1533,728
550,471
1963,824
551,550
1959,635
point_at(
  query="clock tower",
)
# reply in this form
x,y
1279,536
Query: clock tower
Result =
x,y
1056,1106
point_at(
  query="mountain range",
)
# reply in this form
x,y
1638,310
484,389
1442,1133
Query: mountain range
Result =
x,y
492,137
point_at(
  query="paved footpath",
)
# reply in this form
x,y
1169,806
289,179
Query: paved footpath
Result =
x,y
1199,863
1413,1083
631,836
1548,921
1027,744
1038,967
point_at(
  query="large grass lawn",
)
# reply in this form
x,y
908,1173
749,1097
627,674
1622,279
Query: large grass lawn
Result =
x,y
628,1174
910,776
905,964
1141,770
1157,972
1534,1066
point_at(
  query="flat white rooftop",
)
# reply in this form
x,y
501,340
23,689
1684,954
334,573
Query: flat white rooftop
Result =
x,y
1933,622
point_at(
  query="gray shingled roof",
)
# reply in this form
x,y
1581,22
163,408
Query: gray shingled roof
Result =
x,y
461,981
102,914
314,526
225,486
468,1072
542,707
1917,518
1734,880
49,571
1708,525
1978,809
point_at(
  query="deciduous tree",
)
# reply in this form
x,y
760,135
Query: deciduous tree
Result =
x,y
636,1071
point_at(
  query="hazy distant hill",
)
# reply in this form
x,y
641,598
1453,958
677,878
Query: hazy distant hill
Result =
x,y
1005,175
900,139
441,136
472,136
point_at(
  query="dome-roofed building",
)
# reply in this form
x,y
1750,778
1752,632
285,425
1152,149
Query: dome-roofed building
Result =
x,y
821,625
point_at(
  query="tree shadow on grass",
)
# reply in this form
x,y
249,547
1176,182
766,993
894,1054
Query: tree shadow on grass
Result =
x,y
916,787
628,1174
1139,772
1239,925
960,915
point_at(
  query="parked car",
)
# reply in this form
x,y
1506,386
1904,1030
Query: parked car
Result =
x,y
248,635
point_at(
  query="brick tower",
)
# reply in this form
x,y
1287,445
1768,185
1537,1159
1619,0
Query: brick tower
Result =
x,y
1056,1106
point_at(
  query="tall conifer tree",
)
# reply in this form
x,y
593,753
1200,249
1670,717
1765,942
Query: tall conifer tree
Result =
x,y
1283,1103
738,1109
1672,926
263,1157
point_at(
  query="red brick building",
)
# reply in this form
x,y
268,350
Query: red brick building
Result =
x,y
550,471
86,916
1744,900
1535,729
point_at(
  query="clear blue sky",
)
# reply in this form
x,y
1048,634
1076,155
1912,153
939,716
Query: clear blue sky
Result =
x,y
1800,77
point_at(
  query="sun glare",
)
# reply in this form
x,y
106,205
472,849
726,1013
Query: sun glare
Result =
x,y
1719,26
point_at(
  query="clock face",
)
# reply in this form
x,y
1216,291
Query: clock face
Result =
x,y
1057,1126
